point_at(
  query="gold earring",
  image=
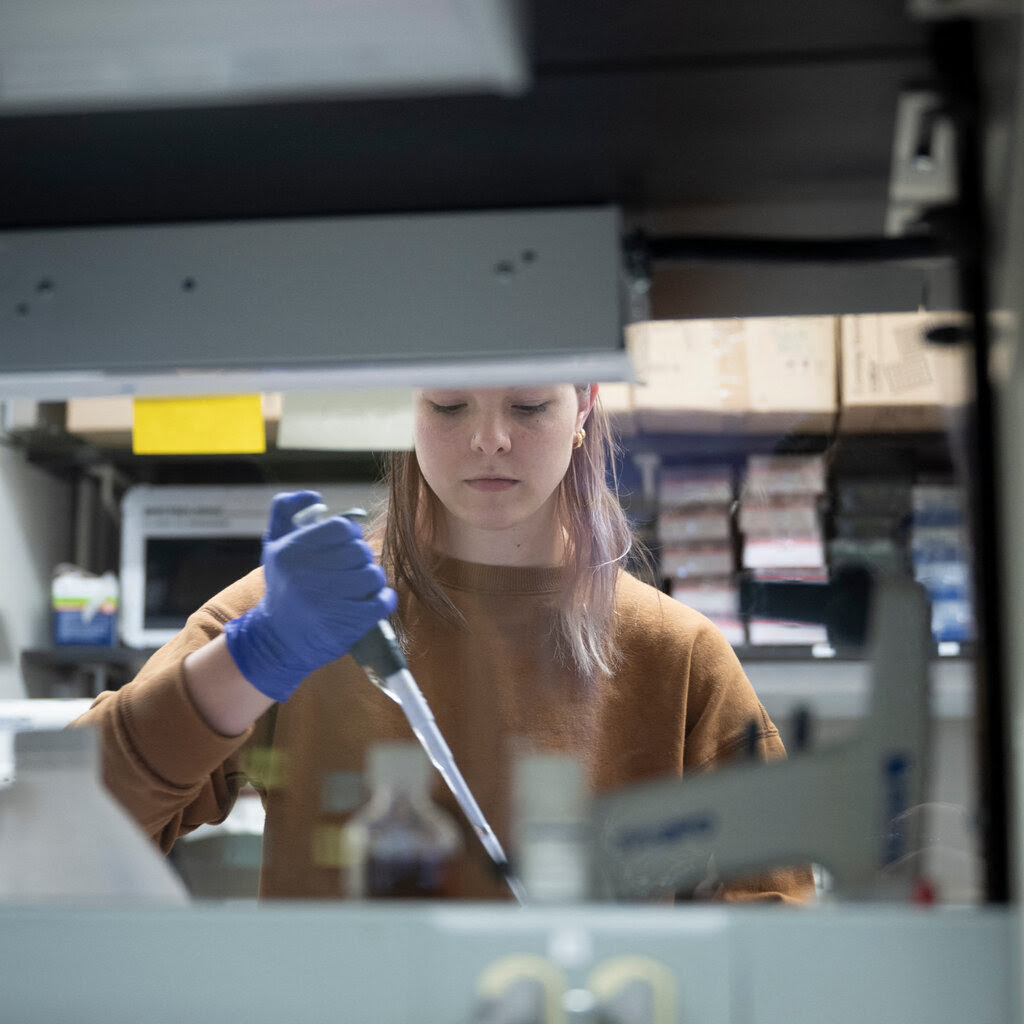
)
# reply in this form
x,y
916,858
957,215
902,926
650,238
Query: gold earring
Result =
x,y
579,438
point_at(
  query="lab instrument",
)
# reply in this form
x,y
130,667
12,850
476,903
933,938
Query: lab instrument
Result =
x,y
854,808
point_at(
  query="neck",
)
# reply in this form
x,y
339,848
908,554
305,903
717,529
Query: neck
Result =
x,y
519,547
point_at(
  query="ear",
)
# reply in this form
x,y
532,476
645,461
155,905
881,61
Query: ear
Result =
x,y
586,403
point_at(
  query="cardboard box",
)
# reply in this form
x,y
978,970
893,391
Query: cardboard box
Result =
x,y
792,373
894,381
375,419
694,527
680,486
793,517
783,552
755,375
107,422
691,375
711,597
693,561
769,477
772,632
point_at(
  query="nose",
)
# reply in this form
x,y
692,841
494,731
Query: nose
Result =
x,y
491,435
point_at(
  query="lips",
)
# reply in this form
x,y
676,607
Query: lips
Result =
x,y
491,483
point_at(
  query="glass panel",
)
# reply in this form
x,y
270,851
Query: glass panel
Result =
x,y
775,512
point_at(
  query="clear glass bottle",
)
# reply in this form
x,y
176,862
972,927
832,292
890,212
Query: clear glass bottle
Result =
x,y
400,844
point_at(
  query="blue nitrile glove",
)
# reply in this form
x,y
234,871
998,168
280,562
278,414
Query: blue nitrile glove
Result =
x,y
324,591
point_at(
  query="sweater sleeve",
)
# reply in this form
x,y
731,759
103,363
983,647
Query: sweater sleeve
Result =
x,y
723,713
166,766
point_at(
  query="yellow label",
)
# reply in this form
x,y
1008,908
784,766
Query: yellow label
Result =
x,y
206,425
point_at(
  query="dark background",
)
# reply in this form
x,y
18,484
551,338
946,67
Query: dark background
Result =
x,y
738,105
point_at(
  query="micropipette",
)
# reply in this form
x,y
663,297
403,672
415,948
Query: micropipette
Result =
x,y
379,654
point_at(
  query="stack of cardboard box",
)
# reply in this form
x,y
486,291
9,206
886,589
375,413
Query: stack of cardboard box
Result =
x,y
697,543
756,375
783,538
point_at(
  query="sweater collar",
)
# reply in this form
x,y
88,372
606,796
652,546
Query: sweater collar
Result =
x,y
498,579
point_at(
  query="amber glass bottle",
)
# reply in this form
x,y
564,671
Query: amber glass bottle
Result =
x,y
400,844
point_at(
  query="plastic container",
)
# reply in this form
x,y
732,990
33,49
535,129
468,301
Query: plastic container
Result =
x,y
84,607
64,838
553,829
400,844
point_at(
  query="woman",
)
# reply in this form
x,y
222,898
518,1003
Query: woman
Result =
x,y
505,547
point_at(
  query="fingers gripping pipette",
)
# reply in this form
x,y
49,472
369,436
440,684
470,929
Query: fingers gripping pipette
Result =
x,y
378,652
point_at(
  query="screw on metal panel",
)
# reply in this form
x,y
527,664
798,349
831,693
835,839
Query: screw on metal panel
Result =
x,y
44,286
503,270
22,309
188,284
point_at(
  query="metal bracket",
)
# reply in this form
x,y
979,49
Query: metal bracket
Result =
x,y
923,172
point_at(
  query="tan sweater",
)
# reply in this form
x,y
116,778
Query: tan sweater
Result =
x,y
678,703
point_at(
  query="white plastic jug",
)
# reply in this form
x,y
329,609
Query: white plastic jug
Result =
x,y
65,839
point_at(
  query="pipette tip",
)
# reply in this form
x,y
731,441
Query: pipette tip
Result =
x,y
503,870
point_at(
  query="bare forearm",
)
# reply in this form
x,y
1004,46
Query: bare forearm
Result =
x,y
223,696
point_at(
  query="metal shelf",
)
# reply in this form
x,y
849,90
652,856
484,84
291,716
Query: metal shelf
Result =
x,y
85,654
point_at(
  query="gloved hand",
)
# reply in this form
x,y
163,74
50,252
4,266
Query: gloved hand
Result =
x,y
324,591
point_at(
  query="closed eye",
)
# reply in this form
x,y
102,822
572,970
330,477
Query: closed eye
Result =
x,y
447,409
532,410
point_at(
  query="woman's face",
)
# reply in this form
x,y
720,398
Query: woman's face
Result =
x,y
494,457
